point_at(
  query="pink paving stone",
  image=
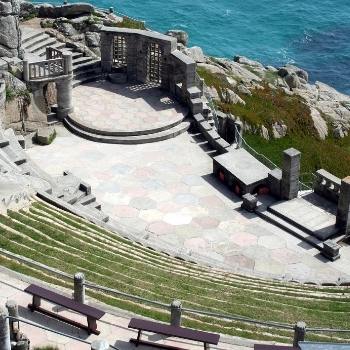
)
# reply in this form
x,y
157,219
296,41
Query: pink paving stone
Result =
x,y
244,239
195,243
103,175
160,228
178,187
136,192
206,222
211,202
124,211
168,207
285,256
143,172
240,260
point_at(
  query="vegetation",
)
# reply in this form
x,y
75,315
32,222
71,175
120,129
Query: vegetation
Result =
x,y
130,23
267,106
12,93
70,244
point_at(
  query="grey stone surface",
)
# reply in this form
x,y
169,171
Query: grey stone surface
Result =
x,y
343,210
100,344
249,202
4,330
68,10
175,313
331,250
44,135
180,35
290,173
299,333
79,287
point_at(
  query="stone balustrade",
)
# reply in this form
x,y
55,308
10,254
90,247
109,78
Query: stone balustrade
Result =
x,y
327,185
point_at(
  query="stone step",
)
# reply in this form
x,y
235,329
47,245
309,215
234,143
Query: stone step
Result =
x,y
124,133
57,45
329,229
97,214
82,59
72,198
39,47
87,200
86,78
286,226
131,140
30,34
87,65
35,41
4,143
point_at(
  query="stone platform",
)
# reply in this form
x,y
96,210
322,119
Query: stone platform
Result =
x,y
125,109
311,213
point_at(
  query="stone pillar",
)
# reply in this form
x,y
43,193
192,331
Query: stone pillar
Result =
x,y
290,173
343,210
299,333
176,310
12,309
238,133
79,287
68,62
99,345
64,97
106,52
26,70
5,343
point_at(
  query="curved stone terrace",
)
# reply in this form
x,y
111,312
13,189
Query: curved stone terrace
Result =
x,y
125,109
167,189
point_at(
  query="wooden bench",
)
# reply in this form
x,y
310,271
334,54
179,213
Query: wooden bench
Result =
x,y
91,313
172,331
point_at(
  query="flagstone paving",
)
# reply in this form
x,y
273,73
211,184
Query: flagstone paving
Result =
x,y
125,107
166,189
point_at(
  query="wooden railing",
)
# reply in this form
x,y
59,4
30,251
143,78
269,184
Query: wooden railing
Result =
x,y
46,69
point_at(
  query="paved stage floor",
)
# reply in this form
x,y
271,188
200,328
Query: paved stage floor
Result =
x,y
167,189
125,107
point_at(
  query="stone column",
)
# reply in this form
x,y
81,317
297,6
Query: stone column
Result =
x,y
290,173
12,309
343,210
79,287
176,311
106,52
299,333
64,97
99,345
26,70
238,133
5,343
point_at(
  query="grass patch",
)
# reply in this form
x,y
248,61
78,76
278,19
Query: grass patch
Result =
x,y
71,244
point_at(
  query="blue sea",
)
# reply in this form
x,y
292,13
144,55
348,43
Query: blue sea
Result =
x,y
314,35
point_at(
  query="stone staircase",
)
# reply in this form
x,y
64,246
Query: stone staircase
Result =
x,y
66,188
35,42
128,137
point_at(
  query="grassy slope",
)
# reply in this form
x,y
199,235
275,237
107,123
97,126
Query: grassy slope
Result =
x,y
267,106
70,244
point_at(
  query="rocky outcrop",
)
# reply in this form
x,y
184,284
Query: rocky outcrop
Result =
x,y
196,54
290,69
279,129
10,34
68,10
231,97
180,35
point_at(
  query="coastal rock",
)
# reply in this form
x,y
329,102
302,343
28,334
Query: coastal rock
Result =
x,y
231,97
92,39
290,69
10,35
293,81
28,9
213,93
319,123
196,53
239,71
264,133
180,35
211,68
279,130
340,132
243,90
231,81
68,10
65,28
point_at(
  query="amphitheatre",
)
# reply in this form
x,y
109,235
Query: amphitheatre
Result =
x,y
132,198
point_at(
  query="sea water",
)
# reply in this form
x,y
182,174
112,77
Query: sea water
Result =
x,y
312,34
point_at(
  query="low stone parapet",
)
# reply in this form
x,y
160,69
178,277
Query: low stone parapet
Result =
x,y
327,185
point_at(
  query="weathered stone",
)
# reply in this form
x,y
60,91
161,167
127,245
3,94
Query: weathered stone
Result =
x,y
290,173
331,250
243,90
180,35
319,123
231,97
290,69
299,333
175,313
118,78
46,10
5,343
196,53
212,68
248,62
249,202
79,287
213,93
92,39
45,135
264,132
10,35
292,81
68,10
100,344
65,28
279,130
28,9
343,209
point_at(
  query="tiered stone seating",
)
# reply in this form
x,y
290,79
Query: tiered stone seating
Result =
x,y
68,243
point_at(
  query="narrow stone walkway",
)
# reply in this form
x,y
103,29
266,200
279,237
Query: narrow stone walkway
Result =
x,y
167,189
113,325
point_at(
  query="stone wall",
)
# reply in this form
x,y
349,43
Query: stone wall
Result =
x,y
10,34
